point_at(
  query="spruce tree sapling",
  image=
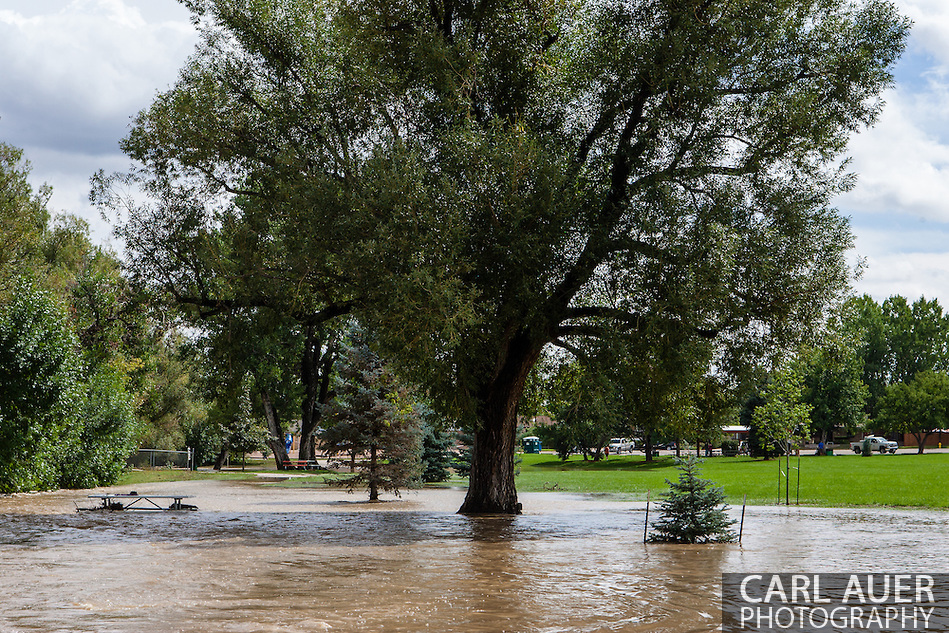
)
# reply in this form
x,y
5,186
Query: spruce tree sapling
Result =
x,y
374,420
693,510
436,455
461,459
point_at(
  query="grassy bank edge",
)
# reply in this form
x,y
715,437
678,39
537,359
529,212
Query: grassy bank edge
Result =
x,y
901,480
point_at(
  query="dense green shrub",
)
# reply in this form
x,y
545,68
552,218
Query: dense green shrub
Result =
x,y
41,395
107,431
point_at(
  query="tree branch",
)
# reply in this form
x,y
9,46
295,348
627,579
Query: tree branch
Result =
x,y
209,307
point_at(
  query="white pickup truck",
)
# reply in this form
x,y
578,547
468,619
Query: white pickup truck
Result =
x,y
876,444
620,445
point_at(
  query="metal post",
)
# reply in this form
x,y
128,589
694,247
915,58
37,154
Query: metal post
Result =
x,y
778,460
646,524
798,500
787,479
741,526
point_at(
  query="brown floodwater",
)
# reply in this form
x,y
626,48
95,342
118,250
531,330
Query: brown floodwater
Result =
x,y
255,558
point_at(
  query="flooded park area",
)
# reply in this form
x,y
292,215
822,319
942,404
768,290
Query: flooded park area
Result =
x,y
255,558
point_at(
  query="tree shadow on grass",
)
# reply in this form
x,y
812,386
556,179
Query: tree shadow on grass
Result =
x,y
611,464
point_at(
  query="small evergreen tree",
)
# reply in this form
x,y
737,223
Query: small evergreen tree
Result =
x,y
436,455
373,418
461,457
693,509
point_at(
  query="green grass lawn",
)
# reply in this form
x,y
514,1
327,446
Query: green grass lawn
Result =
x,y
840,480
133,477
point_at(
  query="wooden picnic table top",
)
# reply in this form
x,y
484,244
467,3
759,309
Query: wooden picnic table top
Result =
x,y
139,501
139,495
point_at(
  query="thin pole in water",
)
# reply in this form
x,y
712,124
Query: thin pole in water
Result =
x,y
646,524
741,526
787,479
779,480
798,501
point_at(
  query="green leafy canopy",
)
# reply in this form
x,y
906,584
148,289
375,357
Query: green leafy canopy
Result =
x,y
476,182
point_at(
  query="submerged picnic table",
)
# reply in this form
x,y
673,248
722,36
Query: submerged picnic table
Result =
x,y
136,501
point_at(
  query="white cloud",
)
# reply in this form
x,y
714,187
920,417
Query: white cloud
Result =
x,y
903,255
68,173
930,26
73,75
912,275
901,167
903,162
900,207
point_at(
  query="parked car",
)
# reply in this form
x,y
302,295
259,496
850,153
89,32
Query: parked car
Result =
x,y
876,444
619,445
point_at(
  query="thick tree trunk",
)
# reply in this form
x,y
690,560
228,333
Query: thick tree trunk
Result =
x,y
491,482
275,440
221,459
316,365
647,439
491,487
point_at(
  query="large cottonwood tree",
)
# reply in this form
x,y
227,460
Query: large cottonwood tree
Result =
x,y
478,180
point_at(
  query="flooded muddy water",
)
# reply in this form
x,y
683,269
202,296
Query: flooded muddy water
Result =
x,y
255,558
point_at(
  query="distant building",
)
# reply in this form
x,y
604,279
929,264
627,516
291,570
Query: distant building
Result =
x,y
527,422
736,432
939,438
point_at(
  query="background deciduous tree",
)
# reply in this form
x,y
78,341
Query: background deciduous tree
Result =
x,y
833,389
895,341
583,404
711,405
919,406
40,372
917,337
24,218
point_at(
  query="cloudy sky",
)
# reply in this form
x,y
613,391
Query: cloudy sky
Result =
x,y
74,72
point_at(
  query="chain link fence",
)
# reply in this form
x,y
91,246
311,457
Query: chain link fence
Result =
x,y
154,458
